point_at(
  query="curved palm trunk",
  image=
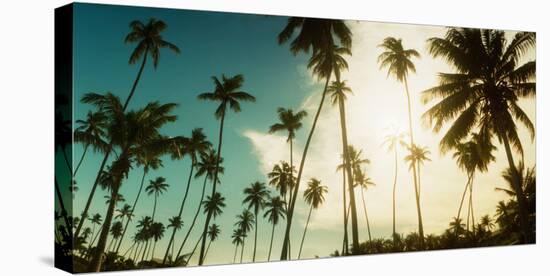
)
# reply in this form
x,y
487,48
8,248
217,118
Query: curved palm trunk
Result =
x,y
347,166
153,251
133,209
214,184
207,248
305,230
81,159
286,240
416,186
366,215
242,250
522,201
154,208
181,209
255,235
235,253
462,202
472,207
192,223
270,243
95,263
193,252
129,250
109,148
394,233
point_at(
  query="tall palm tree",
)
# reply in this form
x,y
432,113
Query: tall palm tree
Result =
x,y
483,92
227,92
206,166
393,141
281,177
338,90
116,232
157,233
91,132
148,37
317,35
194,146
95,220
144,231
363,182
156,187
148,160
256,197
275,212
473,155
398,61
244,224
416,157
314,196
131,132
289,122
213,233
236,239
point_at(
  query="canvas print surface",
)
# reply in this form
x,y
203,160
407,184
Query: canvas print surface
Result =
x,y
189,138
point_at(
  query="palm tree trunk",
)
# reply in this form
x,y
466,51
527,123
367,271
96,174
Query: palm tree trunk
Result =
x,y
81,159
255,235
522,202
193,252
110,244
472,207
154,208
347,166
109,148
133,209
305,230
97,258
366,215
207,248
462,202
192,223
181,209
345,244
286,240
271,242
153,251
242,250
235,253
394,233
215,182
129,250
416,188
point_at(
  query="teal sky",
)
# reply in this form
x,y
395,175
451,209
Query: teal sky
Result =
x,y
224,43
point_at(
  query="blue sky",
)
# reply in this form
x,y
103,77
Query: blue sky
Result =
x,y
224,43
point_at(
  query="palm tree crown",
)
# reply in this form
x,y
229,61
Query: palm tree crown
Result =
x,y
289,121
315,193
396,58
227,92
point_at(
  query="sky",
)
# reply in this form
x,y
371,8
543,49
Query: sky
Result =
x,y
226,43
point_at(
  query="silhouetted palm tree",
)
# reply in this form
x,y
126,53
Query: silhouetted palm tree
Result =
x,y
149,42
281,177
95,220
91,132
393,141
227,92
319,36
275,211
314,196
237,239
206,166
398,61
213,233
256,196
156,187
244,224
289,122
116,232
157,233
194,146
483,92
363,182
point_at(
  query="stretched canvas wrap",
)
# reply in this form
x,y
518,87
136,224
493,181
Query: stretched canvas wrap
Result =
x,y
189,138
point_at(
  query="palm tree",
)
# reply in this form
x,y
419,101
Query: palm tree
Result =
x,y
95,220
206,166
149,160
275,211
157,233
91,132
281,177
475,154
149,42
244,224
156,187
194,146
237,239
483,92
364,182
227,92
116,232
213,233
131,132
174,222
314,196
393,141
289,122
487,223
144,232
319,36
398,61
416,157
256,196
